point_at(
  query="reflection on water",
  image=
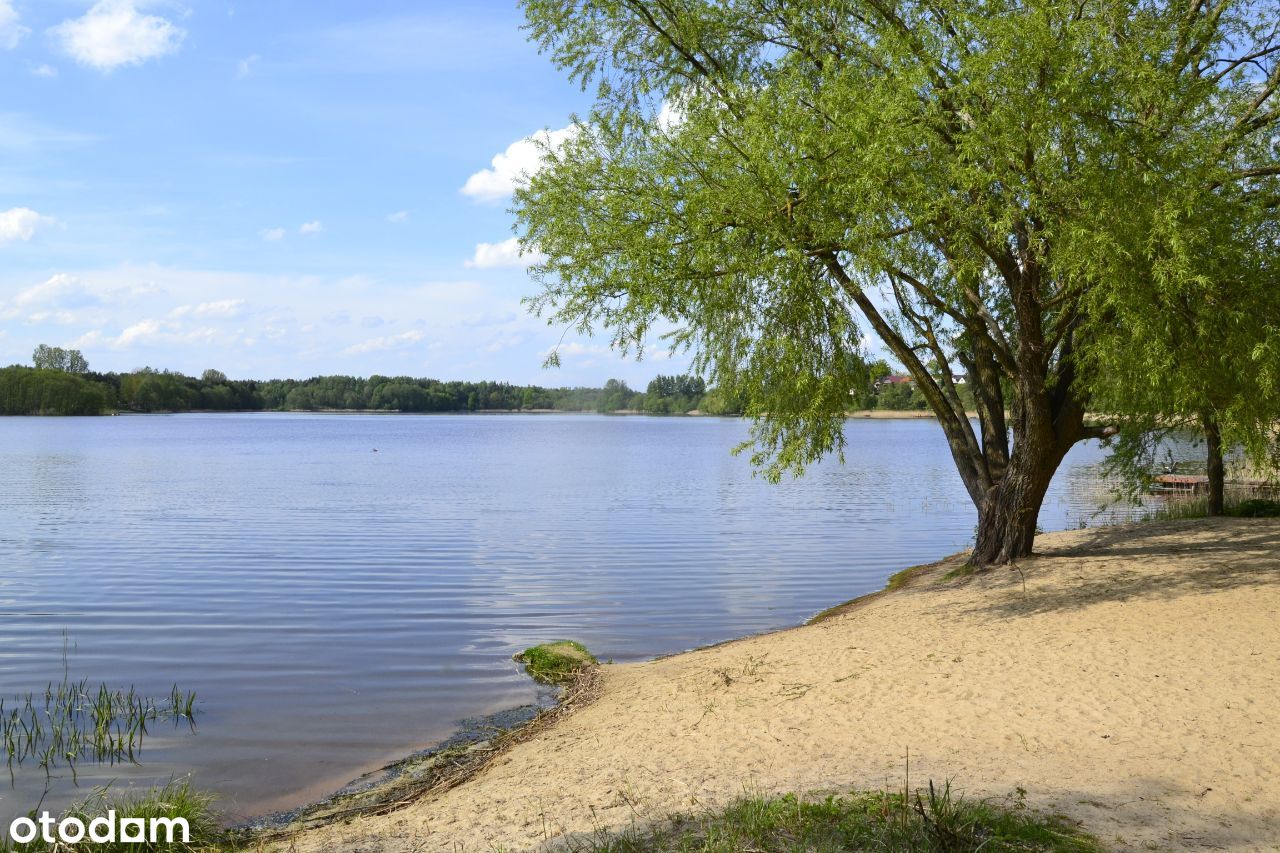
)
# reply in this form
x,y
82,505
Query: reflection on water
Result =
x,y
336,607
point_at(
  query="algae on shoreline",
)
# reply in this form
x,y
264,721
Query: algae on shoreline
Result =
x,y
557,662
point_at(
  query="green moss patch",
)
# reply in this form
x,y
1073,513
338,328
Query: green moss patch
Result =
x,y
556,662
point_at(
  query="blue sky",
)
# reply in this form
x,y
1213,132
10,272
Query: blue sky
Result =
x,y
277,188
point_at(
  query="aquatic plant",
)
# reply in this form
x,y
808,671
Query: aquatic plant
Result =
x,y
72,721
1177,508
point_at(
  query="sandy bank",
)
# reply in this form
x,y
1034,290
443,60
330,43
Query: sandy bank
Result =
x,y
1134,684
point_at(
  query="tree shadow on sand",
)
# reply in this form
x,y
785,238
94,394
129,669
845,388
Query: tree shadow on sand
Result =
x,y
1117,564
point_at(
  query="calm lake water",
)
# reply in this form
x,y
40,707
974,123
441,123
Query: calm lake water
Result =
x,y
335,607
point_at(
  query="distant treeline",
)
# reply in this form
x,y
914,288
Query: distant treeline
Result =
x,y
62,384
35,391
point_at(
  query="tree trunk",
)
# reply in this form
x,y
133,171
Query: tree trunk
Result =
x,y
1007,517
1215,467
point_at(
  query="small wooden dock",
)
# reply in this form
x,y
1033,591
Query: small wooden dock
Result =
x,y
1198,484
1185,484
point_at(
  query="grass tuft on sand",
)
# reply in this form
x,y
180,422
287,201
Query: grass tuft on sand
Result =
x,y
556,662
931,820
174,800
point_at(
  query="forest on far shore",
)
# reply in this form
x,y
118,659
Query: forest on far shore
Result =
x,y
61,383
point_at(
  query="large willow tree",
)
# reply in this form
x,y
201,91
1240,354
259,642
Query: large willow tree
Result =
x,y
774,178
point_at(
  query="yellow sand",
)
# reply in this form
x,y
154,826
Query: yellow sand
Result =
x,y
1134,684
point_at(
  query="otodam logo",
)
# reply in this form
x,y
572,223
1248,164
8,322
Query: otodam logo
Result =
x,y
106,829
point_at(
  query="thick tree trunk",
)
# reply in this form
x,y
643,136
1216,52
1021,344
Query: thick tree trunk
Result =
x,y
1007,518
1215,467
1045,426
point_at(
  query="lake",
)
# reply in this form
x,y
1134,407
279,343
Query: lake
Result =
x,y
340,590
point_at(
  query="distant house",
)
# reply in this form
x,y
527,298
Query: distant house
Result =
x,y
893,379
901,379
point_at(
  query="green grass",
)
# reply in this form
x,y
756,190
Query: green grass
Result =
x,y
931,820
963,570
556,662
175,800
1255,508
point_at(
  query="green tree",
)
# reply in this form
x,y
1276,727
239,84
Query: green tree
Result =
x,y
716,402
40,391
878,370
150,390
617,395
667,395
46,357
981,166
900,397
1201,362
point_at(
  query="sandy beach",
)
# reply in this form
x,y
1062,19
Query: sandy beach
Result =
x,y
1127,677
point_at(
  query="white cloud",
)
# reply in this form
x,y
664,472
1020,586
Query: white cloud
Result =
x,y
398,216
271,235
21,223
504,254
514,166
151,332
284,325
505,341
670,117
63,295
114,33
138,333
579,348
313,227
221,309
65,291
386,343
61,318
245,66
44,71
11,32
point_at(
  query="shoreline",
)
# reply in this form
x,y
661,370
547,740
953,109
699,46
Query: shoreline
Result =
x,y
479,740
547,763
445,764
